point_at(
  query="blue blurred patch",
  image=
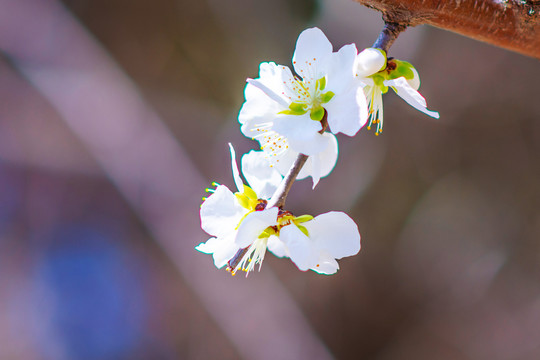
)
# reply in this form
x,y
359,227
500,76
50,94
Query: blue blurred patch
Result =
x,y
100,307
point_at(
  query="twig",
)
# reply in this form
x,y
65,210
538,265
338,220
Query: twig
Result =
x,y
388,35
280,195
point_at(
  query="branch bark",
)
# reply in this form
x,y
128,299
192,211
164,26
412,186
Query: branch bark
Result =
x,y
510,24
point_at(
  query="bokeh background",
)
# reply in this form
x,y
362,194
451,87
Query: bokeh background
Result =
x,y
115,115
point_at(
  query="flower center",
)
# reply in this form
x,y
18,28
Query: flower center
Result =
x,y
307,95
246,259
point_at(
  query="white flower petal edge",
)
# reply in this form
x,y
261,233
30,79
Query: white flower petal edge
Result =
x,y
261,176
236,174
277,247
404,90
312,54
222,249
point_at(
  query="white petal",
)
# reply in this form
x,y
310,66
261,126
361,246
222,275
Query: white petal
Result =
x,y
253,225
313,146
271,81
222,249
253,127
283,161
301,250
209,246
326,160
315,170
322,164
336,233
366,82
299,127
348,112
236,174
258,172
340,71
370,61
221,212
415,81
277,247
269,92
312,53
411,96
257,105
326,264
301,132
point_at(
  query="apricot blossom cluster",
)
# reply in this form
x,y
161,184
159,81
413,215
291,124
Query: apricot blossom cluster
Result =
x,y
290,114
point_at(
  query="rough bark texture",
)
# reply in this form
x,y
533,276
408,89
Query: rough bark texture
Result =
x,y
511,24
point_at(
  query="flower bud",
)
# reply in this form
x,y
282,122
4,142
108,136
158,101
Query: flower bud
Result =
x,y
370,61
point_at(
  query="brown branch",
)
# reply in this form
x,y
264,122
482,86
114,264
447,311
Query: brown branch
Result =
x,y
510,24
280,195
388,35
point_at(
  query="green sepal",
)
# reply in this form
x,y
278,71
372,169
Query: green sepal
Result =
x,y
378,79
320,84
403,69
269,231
327,96
250,193
317,113
303,218
243,199
295,109
303,229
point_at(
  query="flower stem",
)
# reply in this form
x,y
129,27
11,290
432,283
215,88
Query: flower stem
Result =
x,y
280,195
388,35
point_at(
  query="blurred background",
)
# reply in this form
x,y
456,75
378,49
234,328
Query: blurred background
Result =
x,y
114,117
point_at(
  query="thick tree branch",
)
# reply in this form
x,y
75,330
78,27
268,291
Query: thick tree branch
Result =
x,y
511,24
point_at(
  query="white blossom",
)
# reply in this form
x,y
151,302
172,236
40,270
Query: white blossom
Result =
x,y
236,220
316,243
377,75
284,112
